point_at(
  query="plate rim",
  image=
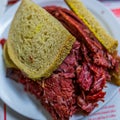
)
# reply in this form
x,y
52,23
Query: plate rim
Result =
x,y
3,5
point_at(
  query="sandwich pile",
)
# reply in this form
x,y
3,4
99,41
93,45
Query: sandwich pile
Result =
x,y
62,57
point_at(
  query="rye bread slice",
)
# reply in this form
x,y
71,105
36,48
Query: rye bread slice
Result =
x,y
7,60
37,42
93,24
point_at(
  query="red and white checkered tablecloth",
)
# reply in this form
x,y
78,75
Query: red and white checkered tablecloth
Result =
x,y
111,111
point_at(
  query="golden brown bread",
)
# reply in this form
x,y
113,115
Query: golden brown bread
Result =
x,y
99,32
8,61
92,23
37,42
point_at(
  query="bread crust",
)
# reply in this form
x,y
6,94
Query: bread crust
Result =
x,y
8,61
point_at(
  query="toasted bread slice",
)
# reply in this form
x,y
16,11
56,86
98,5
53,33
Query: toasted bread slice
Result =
x,y
99,32
8,61
88,18
37,42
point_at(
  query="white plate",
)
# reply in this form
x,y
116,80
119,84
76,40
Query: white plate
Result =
x,y
3,4
13,94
